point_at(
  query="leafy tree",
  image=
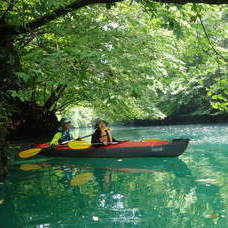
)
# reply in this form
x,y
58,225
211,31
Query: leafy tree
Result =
x,y
125,62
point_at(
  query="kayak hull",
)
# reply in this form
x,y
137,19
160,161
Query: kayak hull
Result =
x,y
169,149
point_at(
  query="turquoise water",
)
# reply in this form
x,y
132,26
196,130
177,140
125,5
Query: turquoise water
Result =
x,y
189,191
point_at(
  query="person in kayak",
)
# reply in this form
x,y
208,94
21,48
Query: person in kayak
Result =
x,y
64,133
102,135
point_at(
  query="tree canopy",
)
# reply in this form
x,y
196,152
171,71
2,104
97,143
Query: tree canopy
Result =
x,y
138,59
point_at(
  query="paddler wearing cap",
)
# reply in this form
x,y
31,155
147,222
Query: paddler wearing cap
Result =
x,y
64,133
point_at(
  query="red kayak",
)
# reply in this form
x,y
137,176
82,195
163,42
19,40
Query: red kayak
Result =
x,y
124,149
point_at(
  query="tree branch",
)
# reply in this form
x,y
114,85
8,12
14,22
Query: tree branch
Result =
x,y
10,30
58,13
54,97
208,38
10,7
81,3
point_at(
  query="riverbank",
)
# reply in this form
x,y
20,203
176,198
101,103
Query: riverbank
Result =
x,y
179,120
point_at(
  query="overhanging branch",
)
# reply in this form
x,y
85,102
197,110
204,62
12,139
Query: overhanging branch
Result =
x,y
54,97
10,30
208,38
60,12
81,3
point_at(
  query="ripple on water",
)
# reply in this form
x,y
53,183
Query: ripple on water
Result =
x,y
188,192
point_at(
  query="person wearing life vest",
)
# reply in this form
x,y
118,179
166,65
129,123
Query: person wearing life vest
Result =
x,y
102,134
64,133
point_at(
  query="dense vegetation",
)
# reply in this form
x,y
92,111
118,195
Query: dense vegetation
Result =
x,y
135,59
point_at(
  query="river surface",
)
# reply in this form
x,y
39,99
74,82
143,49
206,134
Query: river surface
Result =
x,y
189,191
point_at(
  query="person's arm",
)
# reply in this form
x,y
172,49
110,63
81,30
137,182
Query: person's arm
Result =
x,y
109,135
56,138
73,134
112,139
95,138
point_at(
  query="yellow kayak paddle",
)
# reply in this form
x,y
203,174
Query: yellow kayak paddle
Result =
x,y
72,144
79,145
75,145
152,140
29,153
85,145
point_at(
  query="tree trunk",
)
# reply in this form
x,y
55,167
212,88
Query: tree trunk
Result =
x,y
28,120
32,121
9,61
54,97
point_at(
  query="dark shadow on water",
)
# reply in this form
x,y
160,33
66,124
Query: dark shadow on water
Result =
x,y
174,165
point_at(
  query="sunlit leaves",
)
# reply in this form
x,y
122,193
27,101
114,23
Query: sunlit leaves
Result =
x,y
146,60
219,94
23,11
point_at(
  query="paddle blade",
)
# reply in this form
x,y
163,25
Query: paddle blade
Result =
x,y
79,145
81,179
28,167
152,140
29,153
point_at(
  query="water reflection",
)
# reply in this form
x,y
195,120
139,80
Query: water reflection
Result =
x,y
93,192
150,192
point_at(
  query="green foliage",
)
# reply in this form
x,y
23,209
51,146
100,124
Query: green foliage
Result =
x,y
143,60
219,93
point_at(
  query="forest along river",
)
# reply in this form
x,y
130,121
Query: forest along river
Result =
x,y
189,191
